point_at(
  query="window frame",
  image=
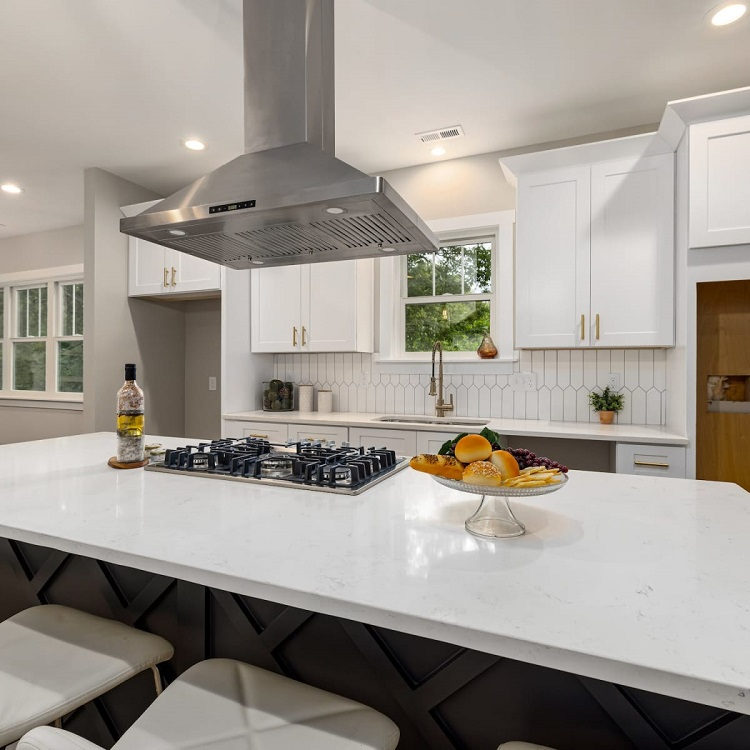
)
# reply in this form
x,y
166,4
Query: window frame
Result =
x,y
497,226
53,279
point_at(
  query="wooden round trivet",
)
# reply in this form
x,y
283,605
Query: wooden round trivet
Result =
x,y
115,464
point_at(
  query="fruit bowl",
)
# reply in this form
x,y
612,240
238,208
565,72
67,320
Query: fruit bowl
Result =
x,y
494,518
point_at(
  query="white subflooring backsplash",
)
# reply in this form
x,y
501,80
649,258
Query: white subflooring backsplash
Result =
x,y
564,380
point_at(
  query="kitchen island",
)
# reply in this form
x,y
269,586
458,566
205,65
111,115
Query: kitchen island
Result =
x,y
619,581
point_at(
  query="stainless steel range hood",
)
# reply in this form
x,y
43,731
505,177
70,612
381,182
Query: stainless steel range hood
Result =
x,y
287,200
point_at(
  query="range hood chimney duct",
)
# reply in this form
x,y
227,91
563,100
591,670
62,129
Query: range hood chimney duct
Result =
x,y
287,200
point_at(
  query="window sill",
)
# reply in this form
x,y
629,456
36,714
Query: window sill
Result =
x,y
465,366
43,402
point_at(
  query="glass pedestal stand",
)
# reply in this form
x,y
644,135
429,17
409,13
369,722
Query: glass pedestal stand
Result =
x,y
494,519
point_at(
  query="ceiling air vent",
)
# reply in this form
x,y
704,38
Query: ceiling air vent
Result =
x,y
454,131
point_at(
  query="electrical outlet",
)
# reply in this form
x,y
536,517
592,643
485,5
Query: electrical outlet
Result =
x,y
523,381
212,384
613,381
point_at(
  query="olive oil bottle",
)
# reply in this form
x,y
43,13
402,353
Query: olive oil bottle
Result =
x,y
130,419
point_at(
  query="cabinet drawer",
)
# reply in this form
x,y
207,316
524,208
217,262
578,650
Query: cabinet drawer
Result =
x,y
274,433
401,441
650,460
318,432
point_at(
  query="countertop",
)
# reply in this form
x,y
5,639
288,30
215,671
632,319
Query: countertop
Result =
x,y
619,433
634,580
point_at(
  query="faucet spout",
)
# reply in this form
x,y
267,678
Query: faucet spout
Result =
x,y
441,408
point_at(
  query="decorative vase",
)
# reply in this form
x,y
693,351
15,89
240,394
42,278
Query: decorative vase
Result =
x,y
487,349
606,417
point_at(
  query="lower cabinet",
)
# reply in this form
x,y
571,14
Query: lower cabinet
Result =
x,y
273,432
322,432
404,442
650,460
431,442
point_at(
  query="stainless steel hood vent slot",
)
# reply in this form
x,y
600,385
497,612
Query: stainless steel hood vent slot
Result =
x,y
270,205
333,239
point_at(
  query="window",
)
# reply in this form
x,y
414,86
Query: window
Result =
x,y
447,296
453,296
41,337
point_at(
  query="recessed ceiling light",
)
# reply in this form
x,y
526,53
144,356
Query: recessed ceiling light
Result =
x,y
257,262
194,144
388,249
177,232
438,151
727,13
10,188
335,210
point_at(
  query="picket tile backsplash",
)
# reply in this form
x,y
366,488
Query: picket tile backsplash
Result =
x,y
564,380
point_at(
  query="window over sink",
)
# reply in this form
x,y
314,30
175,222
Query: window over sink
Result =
x,y
455,295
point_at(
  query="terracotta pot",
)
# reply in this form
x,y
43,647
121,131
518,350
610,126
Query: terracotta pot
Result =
x,y
606,417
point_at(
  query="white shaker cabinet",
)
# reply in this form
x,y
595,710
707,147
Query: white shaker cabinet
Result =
x,y
720,182
595,255
320,307
155,270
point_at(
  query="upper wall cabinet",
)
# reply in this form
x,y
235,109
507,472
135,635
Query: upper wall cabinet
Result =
x,y
595,255
720,182
321,307
154,270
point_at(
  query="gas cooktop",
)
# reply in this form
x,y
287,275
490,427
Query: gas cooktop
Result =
x,y
312,465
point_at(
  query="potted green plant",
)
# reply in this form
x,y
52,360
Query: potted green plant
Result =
x,y
607,404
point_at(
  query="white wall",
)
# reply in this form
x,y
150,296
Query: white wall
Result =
x,y
202,361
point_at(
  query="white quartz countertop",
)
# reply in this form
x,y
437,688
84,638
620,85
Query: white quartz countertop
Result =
x,y
634,580
621,433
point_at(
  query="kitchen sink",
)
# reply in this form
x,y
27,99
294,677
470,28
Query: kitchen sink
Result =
x,y
455,422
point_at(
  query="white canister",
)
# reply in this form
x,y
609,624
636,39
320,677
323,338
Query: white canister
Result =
x,y
325,401
305,394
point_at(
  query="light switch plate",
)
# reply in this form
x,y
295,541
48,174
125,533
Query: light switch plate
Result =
x,y
523,381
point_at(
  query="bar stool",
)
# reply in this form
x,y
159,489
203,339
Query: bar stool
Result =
x,y
228,704
54,659
523,746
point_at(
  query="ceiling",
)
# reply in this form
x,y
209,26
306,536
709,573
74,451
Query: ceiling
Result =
x,y
119,85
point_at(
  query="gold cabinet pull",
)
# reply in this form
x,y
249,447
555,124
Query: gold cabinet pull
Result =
x,y
174,272
583,327
294,336
596,324
655,464
257,436
166,280
304,331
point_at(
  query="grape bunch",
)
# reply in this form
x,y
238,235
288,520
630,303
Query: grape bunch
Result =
x,y
527,459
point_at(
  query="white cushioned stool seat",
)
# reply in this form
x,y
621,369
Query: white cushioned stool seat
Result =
x,y
224,704
54,659
523,746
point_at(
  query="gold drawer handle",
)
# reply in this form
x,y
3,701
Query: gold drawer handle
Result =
x,y
257,436
174,271
166,280
597,326
655,464
294,336
583,327
304,331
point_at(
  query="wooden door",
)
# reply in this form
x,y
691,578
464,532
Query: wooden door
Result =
x,y
722,441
